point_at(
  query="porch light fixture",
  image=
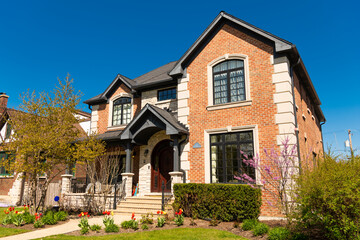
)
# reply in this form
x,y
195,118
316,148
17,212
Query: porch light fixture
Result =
x,y
146,152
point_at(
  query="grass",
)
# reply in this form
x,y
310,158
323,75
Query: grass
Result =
x,y
9,231
176,233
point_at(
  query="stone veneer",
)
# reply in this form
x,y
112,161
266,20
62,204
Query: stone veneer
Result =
x,y
145,162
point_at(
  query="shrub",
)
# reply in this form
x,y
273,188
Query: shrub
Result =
x,y
112,228
279,233
49,218
328,197
260,229
299,236
60,216
144,227
214,222
95,227
225,202
249,224
147,219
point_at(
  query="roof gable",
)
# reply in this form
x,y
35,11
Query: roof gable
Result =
x,y
280,44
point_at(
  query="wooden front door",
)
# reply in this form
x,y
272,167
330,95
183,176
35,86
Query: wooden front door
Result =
x,y
161,164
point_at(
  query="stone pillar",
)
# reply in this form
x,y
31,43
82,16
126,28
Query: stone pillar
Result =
x,y
176,177
175,139
128,158
66,183
128,178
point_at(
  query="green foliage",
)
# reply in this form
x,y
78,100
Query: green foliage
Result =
x,y
7,220
249,224
112,228
260,229
28,218
108,221
179,220
38,224
61,216
49,218
299,236
225,202
95,227
147,219
328,197
84,225
18,220
144,227
192,222
160,221
130,224
214,222
279,233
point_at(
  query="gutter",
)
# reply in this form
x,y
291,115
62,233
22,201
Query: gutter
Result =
x,y
182,170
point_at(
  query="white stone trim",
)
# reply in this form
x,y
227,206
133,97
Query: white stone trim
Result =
x,y
208,132
94,119
111,105
225,57
284,100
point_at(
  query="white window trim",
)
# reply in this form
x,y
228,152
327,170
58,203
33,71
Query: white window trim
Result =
x,y
229,129
111,105
210,66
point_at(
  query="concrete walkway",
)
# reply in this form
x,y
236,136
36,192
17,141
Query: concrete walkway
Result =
x,y
70,226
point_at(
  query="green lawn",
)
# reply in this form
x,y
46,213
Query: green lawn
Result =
x,y
177,233
9,231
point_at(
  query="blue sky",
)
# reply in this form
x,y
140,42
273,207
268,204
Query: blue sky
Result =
x,y
95,40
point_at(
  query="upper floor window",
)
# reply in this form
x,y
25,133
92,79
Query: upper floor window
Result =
x,y
8,131
121,111
229,82
166,94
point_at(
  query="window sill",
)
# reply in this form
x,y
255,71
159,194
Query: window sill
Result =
x,y
165,101
120,127
229,105
6,176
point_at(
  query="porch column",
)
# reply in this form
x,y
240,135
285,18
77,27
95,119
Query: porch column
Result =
x,y
66,183
127,176
176,175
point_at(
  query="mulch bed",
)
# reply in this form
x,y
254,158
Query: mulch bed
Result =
x,y
225,226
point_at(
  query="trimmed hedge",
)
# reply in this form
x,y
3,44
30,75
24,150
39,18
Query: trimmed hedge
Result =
x,y
225,202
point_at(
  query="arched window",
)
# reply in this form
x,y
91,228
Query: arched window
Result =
x,y
121,111
229,81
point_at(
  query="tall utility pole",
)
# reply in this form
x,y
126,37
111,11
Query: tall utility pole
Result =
x,y
351,149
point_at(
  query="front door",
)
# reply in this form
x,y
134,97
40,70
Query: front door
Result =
x,y
161,164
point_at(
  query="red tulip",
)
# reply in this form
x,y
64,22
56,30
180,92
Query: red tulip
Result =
x,y
158,212
80,215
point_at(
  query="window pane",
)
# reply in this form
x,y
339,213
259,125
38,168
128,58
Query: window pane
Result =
x,y
167,94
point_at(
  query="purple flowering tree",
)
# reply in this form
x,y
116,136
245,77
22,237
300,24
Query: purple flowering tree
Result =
x,y
275,175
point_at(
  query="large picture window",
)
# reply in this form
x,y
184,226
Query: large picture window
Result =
x,y
229,82
121,111
227,153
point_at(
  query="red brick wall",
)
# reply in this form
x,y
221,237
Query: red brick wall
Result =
x,y
6,184
261,112
103,110
310,139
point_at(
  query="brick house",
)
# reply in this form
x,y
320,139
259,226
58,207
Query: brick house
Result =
x,y
237,88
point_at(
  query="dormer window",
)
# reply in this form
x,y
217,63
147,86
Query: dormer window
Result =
x,y
121,111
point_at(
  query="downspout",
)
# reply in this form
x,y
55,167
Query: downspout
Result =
x,y
182,170
322,139
295,113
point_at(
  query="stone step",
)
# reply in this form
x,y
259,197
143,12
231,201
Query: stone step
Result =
x,y
142,200
140,206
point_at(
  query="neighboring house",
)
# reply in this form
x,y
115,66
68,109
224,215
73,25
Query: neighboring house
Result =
x,y
11,185
237,88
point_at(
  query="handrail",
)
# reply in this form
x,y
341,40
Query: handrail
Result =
x,y
163,194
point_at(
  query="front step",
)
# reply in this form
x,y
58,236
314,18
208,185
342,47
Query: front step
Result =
x,y
140,205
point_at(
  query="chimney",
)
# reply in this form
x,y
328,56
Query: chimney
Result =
x,y
3,101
